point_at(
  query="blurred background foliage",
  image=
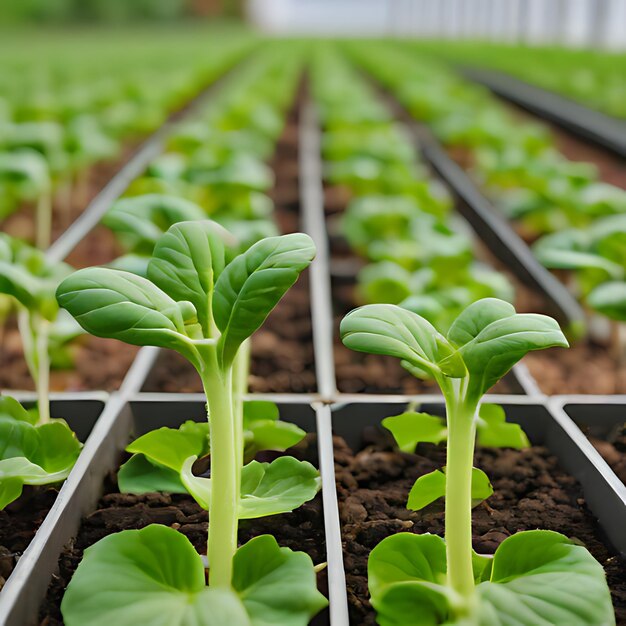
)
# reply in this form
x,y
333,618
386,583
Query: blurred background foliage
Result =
x,y
113,11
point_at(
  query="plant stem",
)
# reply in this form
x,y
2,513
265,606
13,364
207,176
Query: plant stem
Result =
x,y
241,370
458,521
34,334
28,341
44,220
225,471
43,368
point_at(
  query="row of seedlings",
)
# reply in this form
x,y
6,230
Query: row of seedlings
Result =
x,y
395,237
573,219
191,285
34,336
64,115
393,481
593,78
44,347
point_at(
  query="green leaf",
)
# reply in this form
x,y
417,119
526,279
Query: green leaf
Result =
x,y
535,577
542,577
610,300
139,475
391,330
264,431
259,410
491,337
270,434
10,407
277,487
432,486
139,221
171,447
411,428
493,431
33,455
266,488
150,576
406,557
121,305
186,262
29,278
253,283
10,490
277,586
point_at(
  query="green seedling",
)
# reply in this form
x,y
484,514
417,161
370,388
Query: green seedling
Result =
x,y
32,453
534,576
31,281
196,303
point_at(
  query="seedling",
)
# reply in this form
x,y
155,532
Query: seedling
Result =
x,y
196,303
24,175
535,576
32,453
31,281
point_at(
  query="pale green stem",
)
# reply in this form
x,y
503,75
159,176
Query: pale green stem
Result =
x,y
34,331
458,520
241,369
223,506
44,220
28,341
43,366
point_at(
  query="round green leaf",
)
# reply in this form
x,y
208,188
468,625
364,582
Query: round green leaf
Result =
x,y
277,586
411,428
277,487
540,577
151,576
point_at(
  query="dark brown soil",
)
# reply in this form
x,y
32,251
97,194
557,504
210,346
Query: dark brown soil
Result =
x,y
282,350
530,491
99,364
301,530
584,368
19,522
613,452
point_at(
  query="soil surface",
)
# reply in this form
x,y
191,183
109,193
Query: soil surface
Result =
x,y
99,364
530,491
613,452
282,349
19,522
301,530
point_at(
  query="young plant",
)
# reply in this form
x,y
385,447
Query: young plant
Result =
x,y
163,459
196,303
24,175
32,453
535,576
31,281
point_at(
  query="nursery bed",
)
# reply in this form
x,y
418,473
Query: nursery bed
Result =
x,y
301,530
555,371
604,424
98,364
531,490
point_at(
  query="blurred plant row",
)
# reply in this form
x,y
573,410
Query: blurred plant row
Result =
x,y
596,79
420,254
575,219
61,116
